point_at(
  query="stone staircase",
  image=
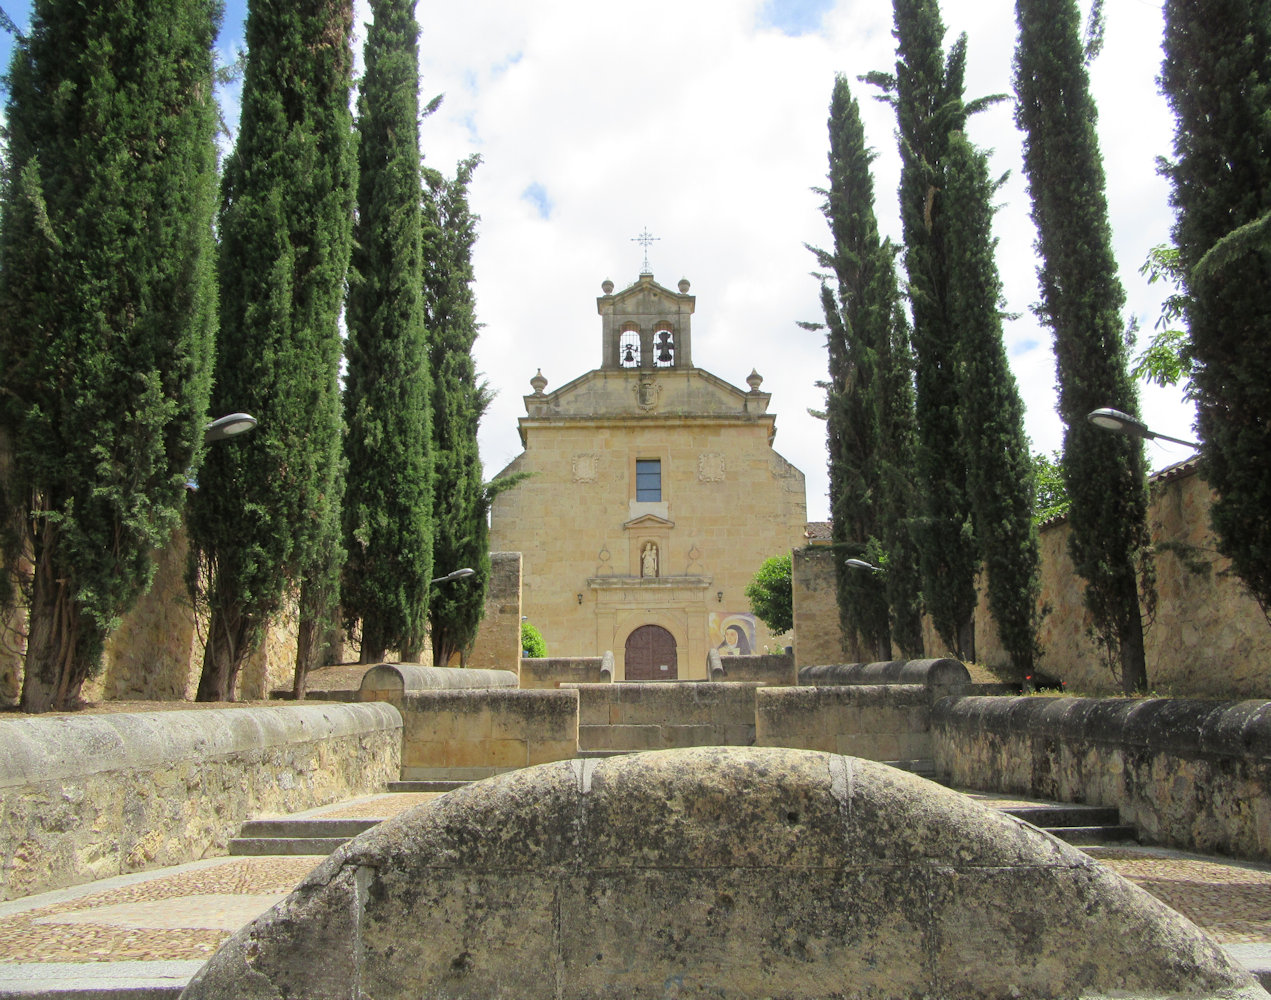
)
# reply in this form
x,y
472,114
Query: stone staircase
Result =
x,y
1079,825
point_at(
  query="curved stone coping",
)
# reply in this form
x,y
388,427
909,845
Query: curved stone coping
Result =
x,y
404,677
1183,726
714,665
942,673
770,668
50,749
607,666
720,871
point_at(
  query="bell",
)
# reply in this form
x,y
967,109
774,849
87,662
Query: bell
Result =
x,y
628,358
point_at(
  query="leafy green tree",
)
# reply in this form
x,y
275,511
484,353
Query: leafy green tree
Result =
x,y
388,509
1167,360
262,513
771,594
1048,483
1081,300
107,306
926,91
459,401
1217,77
532,644
999,480
869,438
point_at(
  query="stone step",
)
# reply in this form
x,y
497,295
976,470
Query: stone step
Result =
x,y
1061,814
311,828
1088,836
265,846
594,754
428,785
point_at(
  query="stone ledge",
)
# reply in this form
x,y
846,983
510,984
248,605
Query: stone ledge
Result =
x,y
51,749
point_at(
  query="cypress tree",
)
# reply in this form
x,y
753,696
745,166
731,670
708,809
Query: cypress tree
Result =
x,y
107,307
999,466
262,510
1081,301
388,515
927,93
1217,76
461,538
861,425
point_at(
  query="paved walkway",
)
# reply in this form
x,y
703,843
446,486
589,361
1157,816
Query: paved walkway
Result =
x,y
143,935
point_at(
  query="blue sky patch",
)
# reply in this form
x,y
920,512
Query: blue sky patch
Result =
x,y
794,17
536,195
1024,346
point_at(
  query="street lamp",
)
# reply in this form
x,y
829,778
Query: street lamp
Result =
x,y
862,564
1114,420
228,426
458,574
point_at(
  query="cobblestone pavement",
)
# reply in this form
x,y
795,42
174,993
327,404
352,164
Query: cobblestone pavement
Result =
x,y
185,913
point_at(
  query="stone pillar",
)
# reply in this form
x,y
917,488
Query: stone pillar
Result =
x,y
498,642
817,637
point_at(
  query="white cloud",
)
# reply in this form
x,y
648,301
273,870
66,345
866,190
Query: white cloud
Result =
x,y
689,117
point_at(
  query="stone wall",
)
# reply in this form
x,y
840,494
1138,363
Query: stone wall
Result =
x,y
1189,773
1208,637
466,735
655,715
498,642
874,721
552,671
768,668
90,796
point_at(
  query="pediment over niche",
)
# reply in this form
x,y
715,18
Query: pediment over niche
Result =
x,y
648,521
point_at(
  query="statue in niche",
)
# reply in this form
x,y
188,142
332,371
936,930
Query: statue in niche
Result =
x,y
649,560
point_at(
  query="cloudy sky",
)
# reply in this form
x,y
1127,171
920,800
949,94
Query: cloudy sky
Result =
x,y
704,121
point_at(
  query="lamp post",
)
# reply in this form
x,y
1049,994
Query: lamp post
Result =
x,y
862,564
458,574
228,426
1122,423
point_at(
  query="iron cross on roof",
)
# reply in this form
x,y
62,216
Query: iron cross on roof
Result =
x,y
646,239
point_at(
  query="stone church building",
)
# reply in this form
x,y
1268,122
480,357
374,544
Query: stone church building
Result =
x,y
654,496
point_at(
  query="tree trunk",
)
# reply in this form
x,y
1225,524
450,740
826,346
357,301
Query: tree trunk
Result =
x,y
1133,661
307,645
223,656
55,667
372,647
966,640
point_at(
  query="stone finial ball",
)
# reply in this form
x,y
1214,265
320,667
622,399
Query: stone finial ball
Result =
x,y
684,286
606,286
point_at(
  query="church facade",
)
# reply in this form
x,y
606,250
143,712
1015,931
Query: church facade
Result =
x,y
653,497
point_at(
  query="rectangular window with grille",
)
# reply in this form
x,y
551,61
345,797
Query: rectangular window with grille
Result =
x,y
648,479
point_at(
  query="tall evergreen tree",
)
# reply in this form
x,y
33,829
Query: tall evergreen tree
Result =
x,y
388,514
1081,299
1217,76
461,538
107,306
261,513
999,466
927,93
861,427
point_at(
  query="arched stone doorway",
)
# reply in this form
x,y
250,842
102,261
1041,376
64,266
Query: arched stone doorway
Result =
x,y
650,655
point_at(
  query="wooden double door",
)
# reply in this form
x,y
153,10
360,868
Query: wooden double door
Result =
x,y
650,655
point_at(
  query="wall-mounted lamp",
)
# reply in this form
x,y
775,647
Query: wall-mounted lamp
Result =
x,y
1122,423
580,598
719,597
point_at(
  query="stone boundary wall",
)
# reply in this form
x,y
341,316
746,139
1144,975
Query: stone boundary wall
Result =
x,y
874,721
657,715
472,734
939,676
392,681
553,671
1187,773
90,796
772,669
